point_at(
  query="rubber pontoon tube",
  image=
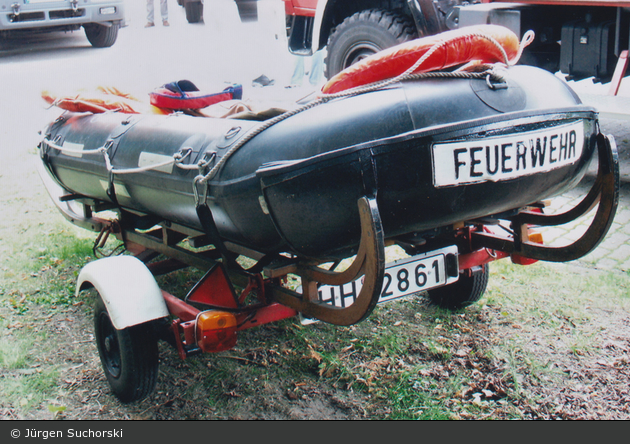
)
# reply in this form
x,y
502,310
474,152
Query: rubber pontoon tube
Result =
x,y
66,206
605,191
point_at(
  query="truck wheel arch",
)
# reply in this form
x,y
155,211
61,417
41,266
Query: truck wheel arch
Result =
x,y
365,33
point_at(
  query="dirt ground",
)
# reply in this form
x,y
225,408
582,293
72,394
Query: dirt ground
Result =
x,y
596,385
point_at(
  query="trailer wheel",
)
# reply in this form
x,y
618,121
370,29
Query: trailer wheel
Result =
x,y
466,291
101,36
363,34
194,12
129,357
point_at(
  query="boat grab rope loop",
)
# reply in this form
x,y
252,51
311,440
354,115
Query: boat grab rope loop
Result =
x,y
177,159
493,74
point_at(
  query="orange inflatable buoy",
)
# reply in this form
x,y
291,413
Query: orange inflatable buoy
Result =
x,y
100,100
456,47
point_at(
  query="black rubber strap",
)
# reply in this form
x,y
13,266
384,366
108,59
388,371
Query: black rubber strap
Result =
x,y
210,228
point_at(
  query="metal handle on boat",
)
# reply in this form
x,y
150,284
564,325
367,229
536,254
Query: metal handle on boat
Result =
x,y
369,261
604,193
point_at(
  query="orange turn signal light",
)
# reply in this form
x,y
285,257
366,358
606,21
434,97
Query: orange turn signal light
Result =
x,y
534,237
216,331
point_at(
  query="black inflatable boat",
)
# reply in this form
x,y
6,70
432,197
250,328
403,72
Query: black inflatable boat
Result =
x,y
424,164
432,152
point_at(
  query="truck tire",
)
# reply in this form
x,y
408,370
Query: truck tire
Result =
x,y
101,36
194,12
467,290
363,34
129,357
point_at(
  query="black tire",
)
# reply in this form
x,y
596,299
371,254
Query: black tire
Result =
x,y
466,291
129,357
363,34
194,12
101,36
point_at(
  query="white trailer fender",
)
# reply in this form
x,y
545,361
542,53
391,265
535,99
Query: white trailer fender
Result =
x,y
128,289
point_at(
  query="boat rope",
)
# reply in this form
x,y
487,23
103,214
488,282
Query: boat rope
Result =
x,y
177,159
71,151
203,179
494,73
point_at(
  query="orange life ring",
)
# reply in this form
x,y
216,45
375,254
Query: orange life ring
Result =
x,y
459,46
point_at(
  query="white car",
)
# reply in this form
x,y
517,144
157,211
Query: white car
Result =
x,y
101,19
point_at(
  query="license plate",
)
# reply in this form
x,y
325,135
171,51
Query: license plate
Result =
x,y
507,157
402,278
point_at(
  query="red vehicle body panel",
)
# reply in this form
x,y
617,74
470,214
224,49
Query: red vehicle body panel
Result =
x,y
300,7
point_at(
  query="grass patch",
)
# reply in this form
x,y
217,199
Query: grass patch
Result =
x,y
37,283
14,349
23,381
25,391
46,273
410,399
554,314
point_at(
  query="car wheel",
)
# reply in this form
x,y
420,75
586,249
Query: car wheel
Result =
x,y
467,290
129,357
101,36
363,34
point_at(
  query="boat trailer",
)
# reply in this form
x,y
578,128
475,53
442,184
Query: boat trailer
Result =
x,y
230,298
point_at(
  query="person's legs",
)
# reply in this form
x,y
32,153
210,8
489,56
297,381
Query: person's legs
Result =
x,y
150,12
298,71
164,10
317,68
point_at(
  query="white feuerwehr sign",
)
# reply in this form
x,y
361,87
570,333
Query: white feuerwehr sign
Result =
x,y
508,156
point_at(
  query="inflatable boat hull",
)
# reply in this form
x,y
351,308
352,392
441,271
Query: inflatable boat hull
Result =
x,y
433,153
